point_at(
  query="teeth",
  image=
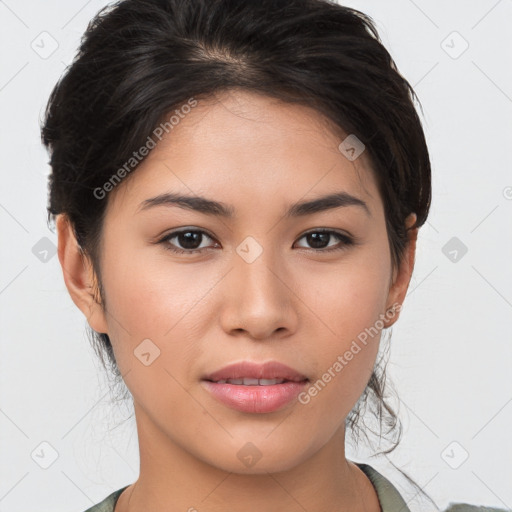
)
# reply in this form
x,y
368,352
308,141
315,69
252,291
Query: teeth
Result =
x,y
270,382
251,382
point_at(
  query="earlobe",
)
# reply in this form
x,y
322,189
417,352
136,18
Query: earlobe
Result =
x,y
398,289
79,275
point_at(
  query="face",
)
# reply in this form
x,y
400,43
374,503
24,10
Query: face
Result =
x,y
258,285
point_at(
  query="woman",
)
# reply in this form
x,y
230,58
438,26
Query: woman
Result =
x,y
238,189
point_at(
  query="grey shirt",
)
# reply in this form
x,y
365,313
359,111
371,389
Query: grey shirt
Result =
x,y
389,498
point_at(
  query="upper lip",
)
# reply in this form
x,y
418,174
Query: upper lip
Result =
x,y
251,370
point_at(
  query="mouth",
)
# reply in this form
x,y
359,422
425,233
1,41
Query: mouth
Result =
x,y
248,373
255,388
247,381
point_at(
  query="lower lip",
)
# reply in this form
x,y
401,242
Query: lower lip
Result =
x,y
255,399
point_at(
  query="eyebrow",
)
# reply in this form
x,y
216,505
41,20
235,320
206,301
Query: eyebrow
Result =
x,y
210,207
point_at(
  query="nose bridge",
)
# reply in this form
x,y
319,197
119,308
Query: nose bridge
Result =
x,y
253,264
257,300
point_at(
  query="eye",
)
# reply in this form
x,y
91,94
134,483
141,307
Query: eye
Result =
x,y
319,237
190,241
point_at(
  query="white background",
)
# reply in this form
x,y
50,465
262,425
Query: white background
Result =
x,y
451,351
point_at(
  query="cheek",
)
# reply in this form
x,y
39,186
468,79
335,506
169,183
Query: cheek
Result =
x,y
350,298
150,293
155,299
347,323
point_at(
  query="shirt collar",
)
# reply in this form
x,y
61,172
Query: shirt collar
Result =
x,y
389,498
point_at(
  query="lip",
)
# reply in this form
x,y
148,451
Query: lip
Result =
x,y
257,398
249,369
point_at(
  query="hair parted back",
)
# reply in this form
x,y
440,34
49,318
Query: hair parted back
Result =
x,y
140,59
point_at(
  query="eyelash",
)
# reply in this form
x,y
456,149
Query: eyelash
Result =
x,y
347,241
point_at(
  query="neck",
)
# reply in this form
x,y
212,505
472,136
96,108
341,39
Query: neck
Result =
x,y
172,479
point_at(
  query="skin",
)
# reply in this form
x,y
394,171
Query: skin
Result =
x,y
294,304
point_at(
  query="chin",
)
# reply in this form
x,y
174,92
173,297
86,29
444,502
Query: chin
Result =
x,y
258,458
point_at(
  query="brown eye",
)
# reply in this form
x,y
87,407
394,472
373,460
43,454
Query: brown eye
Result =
x,y
188,241
319,240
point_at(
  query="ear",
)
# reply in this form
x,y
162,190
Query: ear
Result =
x,y
79,275
402,275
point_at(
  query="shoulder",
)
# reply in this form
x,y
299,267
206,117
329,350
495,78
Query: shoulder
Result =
x,y
466,507
107,504
391,500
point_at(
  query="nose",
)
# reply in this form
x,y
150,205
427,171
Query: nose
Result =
x,y
259,298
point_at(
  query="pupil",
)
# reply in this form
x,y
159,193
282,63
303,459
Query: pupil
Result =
x,y
316,237
187,238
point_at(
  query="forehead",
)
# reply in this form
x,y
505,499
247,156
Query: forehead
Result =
x,y
240,145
